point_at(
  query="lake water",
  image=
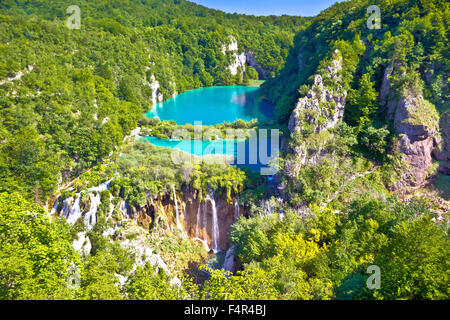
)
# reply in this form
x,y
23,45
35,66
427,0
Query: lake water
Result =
x,y
214,105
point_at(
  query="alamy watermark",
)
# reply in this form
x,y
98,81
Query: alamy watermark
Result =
x,y
74,21
74,279
374,21
374,280
239,146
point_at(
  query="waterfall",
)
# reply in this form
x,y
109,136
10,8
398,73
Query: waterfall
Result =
x,y
123,207
228,263
197,227
215,226
90,218
176,209
201,214
66,204
72,211
237,214
75,211
104,186
55,206
111,207
205,244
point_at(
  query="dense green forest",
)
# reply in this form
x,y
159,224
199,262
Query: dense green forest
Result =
x,y
347,195
88,88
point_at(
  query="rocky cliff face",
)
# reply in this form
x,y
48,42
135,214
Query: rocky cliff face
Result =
x,y
207,220
323,106
321,109
416,122
238,59
251,61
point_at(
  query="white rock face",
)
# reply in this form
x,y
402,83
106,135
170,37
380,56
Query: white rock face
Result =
x,y
144,254
18,75
239,60
322,108
156,94
134,133
321,102
83,244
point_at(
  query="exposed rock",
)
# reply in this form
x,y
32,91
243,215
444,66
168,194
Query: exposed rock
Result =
x,y
322,107
196,217
144,254
416,122
239,59
18,75
156,93
82,244
251,61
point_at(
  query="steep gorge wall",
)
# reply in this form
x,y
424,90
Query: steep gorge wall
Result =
x,y
416,123
207,220
321,109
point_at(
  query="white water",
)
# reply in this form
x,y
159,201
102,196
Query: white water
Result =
x,y
205,244
66,205
197,228
228,263
90,218
75,211
176,209
72,211
237,214
215,225
55,207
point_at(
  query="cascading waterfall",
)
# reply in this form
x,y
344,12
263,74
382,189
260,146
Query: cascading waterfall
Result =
x,y
215,225
55,207
197,227
66,204
237,214
75,211
176,209
90,218
72,211
201,214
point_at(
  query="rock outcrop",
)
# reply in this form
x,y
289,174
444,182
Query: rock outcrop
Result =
x,y
238,59
251,61
416,122
207,220
321,109
323,106
156,93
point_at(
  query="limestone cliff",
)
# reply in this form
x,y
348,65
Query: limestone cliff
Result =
x,y
207,220
251,61
238,59
322,108
416,123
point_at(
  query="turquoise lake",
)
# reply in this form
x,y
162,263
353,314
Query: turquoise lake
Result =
x,y
214,105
